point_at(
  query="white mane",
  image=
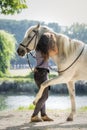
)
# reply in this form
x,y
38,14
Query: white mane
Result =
x,y
67,46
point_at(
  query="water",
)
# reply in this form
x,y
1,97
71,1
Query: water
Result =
x,y
53,102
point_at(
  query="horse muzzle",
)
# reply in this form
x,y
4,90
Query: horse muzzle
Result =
x,y
21,52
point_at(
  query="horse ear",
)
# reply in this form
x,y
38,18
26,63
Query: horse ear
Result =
x,y
38,25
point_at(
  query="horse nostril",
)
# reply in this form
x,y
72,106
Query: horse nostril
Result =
x,y
22,52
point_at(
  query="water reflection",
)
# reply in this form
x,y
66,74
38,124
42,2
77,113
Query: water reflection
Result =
x,y
53,102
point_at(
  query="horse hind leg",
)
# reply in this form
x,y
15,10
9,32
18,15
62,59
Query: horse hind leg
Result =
x,y
71,88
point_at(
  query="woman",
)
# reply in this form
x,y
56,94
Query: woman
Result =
x,y
41,74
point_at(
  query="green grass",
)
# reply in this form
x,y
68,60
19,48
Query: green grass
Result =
x,y
26,78
30,107
23,78
53,75
83,109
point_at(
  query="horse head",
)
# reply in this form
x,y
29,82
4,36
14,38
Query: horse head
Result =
x,y
31,39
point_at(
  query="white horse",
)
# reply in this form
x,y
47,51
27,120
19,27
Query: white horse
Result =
x,y
71,60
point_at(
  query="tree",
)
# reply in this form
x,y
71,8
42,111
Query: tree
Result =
x,y
55,27
12,6
7,49
77,31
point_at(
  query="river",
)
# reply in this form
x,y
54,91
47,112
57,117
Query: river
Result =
x,y
53,102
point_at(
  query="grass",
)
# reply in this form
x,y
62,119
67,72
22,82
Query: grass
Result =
x,y
30,107
22,75
83,109
18,76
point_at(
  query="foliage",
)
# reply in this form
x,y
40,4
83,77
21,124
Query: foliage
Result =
x,y
26,84
12,6
7,49
55,26
77,31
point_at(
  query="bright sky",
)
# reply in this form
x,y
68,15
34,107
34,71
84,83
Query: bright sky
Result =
x,y
64,12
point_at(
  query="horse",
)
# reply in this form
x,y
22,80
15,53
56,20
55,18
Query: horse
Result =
x,y
70,59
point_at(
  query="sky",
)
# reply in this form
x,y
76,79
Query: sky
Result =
x,y
64,12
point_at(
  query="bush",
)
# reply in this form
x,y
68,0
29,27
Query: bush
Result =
x,y
7,50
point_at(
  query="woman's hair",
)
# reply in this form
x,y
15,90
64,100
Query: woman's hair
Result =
x,y
45,44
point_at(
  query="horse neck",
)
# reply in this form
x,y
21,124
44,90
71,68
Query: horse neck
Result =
x,y
64,61
43,30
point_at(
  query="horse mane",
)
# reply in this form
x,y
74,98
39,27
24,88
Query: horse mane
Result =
x,y
66,46
49,39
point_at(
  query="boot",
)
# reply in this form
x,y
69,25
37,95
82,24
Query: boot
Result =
x,y
46,118
35,119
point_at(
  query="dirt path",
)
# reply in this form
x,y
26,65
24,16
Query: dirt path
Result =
x,y
20,120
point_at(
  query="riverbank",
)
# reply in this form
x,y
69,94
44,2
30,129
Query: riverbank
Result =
x,y
22,81
20,120
27,85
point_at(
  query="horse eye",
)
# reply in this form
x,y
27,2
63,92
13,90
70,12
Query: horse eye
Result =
x,y
34,31
29,36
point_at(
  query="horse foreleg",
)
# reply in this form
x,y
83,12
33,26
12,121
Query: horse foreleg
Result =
x,y
47,83
71,89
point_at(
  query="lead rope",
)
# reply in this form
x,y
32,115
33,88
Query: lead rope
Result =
x,y
31,54
73,61
29,62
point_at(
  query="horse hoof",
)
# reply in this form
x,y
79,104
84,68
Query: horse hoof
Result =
x,y
69,119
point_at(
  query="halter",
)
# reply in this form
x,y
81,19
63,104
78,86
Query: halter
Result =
x,y
28,50
26,46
